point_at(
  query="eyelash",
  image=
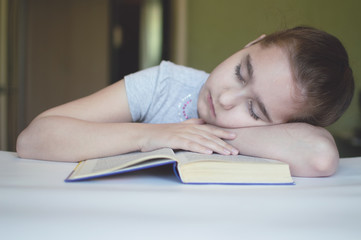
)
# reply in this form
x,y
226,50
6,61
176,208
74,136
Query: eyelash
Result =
x,y
250,103
238,73
251,112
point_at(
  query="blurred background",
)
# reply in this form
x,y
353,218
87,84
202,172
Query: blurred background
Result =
x,y
54,51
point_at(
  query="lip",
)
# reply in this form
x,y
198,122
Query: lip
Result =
x,y
211,106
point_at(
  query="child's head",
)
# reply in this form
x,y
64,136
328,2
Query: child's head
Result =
x,y
321,70
297,75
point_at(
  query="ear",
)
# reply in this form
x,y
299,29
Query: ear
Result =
x,y
255,41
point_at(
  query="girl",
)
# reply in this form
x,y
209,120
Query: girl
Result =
x,y
270,99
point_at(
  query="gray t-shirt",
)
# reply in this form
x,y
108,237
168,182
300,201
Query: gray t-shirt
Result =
x,y
167,93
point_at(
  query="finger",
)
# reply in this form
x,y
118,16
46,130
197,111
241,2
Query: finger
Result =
x,y
210,142
218,132
212,137
218,145
199,148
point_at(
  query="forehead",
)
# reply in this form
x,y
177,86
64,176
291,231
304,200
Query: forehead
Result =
x,y
274,82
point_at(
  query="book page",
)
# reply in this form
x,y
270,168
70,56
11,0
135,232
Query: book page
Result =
x,y
106,164
240,169
188,157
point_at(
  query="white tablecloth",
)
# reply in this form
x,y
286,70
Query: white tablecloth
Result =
x,y
36,203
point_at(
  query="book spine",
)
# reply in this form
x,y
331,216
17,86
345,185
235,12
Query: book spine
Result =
x,y
176,172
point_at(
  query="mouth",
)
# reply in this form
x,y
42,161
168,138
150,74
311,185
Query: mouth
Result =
x,y
211,106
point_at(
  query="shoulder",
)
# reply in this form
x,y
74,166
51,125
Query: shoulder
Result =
x,y
166,73
179,73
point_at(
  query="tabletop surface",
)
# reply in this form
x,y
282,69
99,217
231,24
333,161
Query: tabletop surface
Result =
x,y
36,203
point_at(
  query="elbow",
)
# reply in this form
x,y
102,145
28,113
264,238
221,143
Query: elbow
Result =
x,y
325,159
27,141
26,145
325,166
23,145
30,143
31,146
43,140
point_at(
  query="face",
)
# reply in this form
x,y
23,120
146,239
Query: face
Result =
x,y
253,87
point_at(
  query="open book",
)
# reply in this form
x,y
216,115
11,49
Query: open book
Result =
x,y
190,167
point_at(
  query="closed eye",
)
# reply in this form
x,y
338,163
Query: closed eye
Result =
x,y
238,73
251,110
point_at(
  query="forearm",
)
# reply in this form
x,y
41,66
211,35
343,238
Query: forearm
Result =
x,y
68,139
310,151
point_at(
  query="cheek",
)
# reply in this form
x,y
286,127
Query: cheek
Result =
x,y
238,119
213,82
233,119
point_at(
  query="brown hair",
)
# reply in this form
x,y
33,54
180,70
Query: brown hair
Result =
x,y
321,70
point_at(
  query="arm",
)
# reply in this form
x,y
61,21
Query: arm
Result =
x,y
310,151
101,125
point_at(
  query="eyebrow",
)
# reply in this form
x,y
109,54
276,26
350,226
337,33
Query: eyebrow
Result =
x,y
258,100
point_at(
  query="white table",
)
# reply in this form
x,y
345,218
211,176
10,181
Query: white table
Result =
x,y
36,203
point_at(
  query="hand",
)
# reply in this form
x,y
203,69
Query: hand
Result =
x,y
192,135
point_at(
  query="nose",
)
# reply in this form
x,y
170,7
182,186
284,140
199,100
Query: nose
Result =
x,y
229,98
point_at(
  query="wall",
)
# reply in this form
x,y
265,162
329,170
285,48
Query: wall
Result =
x,y
67,52
216,29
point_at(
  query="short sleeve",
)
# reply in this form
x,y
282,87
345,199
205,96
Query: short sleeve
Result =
x,y
156,94
140,88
